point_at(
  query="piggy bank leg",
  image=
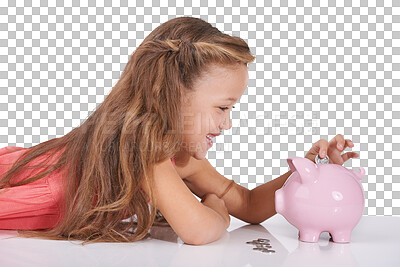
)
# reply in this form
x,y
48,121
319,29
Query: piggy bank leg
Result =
x,y
341,236
309,235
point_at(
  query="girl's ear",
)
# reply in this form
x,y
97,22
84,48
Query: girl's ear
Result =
x,y
305,167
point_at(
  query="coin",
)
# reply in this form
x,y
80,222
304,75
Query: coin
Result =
x,y
318,160
264,250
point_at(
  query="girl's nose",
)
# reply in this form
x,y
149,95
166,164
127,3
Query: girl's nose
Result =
x,y
226,124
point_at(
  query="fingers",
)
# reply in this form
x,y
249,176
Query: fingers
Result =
x,y
348,155
340,142
349,143
341,145
323,148
336,146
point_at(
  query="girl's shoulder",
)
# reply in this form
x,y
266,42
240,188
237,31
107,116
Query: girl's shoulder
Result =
x,y
10,149
9,154
188,168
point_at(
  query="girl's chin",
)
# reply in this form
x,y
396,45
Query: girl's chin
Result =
x,y
198,156
198,151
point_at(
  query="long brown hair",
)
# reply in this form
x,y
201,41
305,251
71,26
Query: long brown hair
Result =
x,y
107,158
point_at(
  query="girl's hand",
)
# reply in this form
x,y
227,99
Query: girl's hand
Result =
x,y
333,149
214,202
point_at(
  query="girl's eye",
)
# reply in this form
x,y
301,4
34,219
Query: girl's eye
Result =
x,y
224,108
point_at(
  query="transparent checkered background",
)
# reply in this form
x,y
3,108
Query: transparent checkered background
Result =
x,y
319,71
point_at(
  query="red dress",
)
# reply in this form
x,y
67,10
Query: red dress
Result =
x,y
30,206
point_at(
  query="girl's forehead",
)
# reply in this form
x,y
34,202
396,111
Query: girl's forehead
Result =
x,y
227,84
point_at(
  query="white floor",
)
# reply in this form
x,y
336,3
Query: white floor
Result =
x,y
375,242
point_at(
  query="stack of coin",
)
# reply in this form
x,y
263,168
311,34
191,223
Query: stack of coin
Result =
x,y
262,244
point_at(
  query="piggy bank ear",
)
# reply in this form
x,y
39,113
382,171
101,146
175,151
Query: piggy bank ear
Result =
x,y
305,167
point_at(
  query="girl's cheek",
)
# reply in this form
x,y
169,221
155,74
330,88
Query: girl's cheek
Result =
x,y
214,121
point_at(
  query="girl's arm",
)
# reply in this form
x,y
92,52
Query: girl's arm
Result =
x,y
258,205
193,222
262,199
252,206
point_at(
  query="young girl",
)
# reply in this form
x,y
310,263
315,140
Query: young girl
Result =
x,y
143,150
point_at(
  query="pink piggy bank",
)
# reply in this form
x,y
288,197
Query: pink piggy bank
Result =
x,y
320,198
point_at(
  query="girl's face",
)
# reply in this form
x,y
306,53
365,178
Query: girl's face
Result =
x,y
206,111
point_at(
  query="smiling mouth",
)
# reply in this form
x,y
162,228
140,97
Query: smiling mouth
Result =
x,y
209,140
